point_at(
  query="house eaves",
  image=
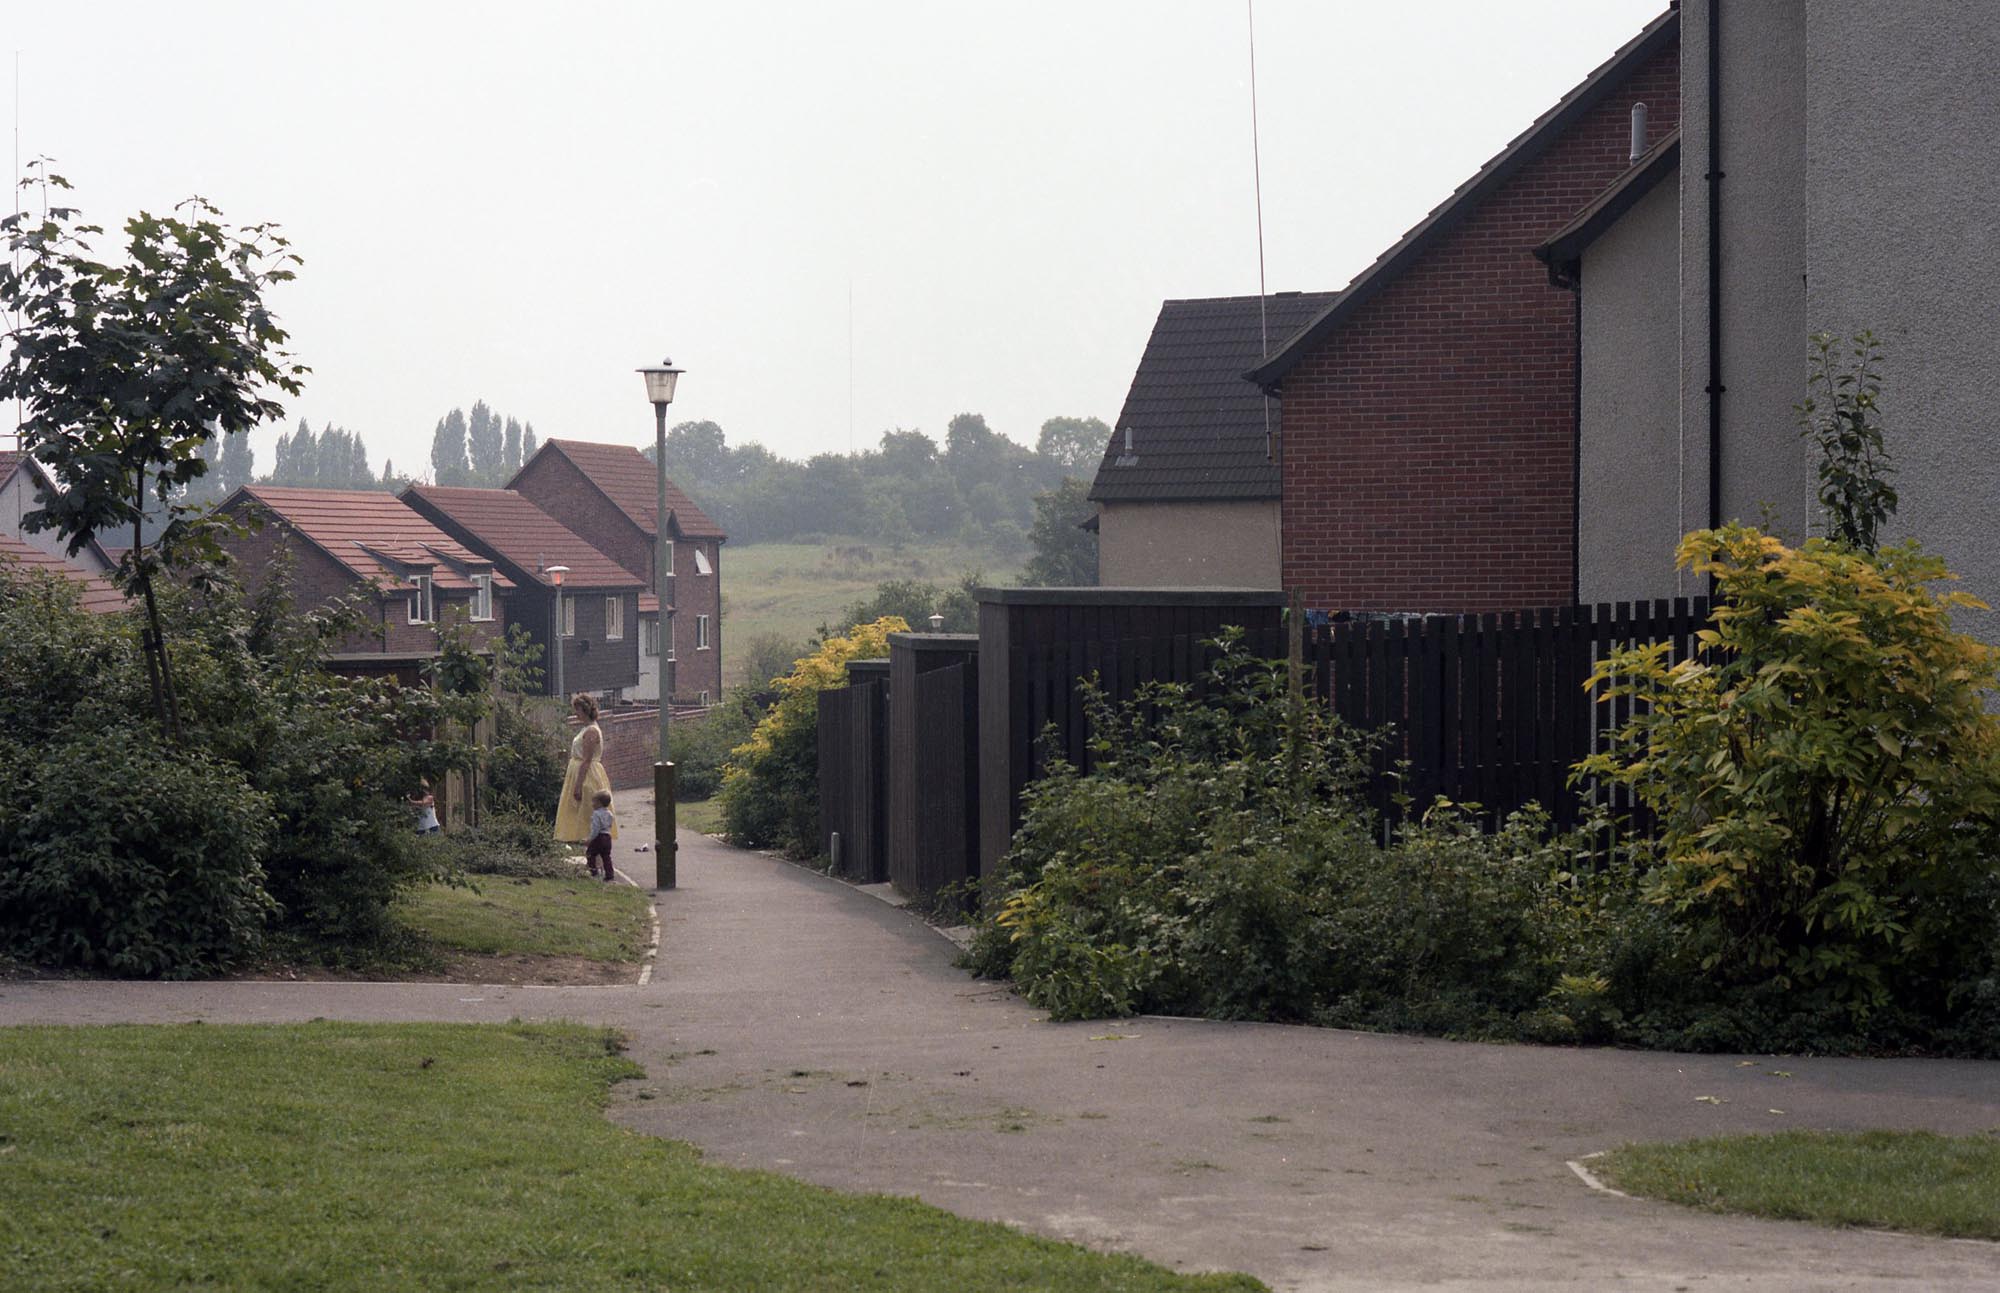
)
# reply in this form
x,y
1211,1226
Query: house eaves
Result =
x,y
1563,250
1660,34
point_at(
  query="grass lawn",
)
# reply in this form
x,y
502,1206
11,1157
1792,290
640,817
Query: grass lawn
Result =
x,y
354,1156
1904,1180
704,815
505,915
793,588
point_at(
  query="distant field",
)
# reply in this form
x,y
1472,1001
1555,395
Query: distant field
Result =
x,y
793,588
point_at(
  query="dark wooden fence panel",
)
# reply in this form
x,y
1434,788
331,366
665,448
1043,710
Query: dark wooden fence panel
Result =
x,y
943,814
853,773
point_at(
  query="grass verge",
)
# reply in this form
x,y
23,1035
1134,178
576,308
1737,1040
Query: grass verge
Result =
x,y
1903,1180
704,815
357,1156
517,916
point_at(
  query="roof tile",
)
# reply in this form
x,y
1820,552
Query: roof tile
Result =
x,y
95,594
369,531
525,536
629,479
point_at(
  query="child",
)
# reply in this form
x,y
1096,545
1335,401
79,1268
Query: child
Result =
x,y
424,804
600,835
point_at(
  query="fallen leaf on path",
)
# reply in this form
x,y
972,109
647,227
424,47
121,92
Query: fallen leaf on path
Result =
x,y
1774,1111
1779,1073
1113,1037
1746,1064
1710,1099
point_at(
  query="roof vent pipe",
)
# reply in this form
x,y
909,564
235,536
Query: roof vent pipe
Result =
x,y
1128,439
1638,131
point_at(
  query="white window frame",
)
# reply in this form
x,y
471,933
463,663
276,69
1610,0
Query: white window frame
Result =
x,y
670,557
649,636
701,563
667,632
701,698
482,597
423,606
568,614
614,619
701,632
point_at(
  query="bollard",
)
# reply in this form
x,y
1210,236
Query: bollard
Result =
x,y
664,826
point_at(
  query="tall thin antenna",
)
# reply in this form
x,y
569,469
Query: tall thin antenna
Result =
x,y
850,367
1257,177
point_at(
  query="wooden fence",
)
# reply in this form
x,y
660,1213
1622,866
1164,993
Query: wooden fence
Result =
x,y
935,828
853,777
1488,709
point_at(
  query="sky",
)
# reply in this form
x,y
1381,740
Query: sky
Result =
x,y
839,219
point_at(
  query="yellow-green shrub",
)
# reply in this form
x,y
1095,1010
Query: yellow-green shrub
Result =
x,y
1826,775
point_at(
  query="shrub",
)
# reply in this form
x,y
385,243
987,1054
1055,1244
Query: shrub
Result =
x,y
506,841
124,856
770,788
701,746
1826,778
526,762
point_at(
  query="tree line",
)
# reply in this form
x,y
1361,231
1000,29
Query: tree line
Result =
x,y
977,487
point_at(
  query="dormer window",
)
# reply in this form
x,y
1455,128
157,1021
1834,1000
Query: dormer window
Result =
x,y
482,597
422,608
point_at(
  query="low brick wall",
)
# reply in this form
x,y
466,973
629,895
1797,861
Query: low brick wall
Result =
x,y
632,743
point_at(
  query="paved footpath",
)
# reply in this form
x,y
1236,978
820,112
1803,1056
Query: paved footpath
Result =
x,y
796,1024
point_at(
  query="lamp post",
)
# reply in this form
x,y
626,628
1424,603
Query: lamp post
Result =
x,y
555,574
660,379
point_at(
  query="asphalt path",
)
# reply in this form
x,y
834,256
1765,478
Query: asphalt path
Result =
x,y
796,1024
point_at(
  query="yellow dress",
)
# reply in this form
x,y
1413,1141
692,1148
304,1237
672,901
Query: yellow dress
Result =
x,y
573,814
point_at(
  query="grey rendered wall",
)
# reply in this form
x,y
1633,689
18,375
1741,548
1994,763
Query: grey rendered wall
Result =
x,y
1632,482
1903,203
1188,545
1763,243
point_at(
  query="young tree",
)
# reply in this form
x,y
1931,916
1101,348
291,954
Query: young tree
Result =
x,y
126,369
1839,416
528,442
238,464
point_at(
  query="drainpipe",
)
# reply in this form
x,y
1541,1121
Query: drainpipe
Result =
x,y
1715,173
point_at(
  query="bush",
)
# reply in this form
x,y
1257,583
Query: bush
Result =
x,y
506,841
124,856
701,746
1217,862
770,788
1826,779
525,764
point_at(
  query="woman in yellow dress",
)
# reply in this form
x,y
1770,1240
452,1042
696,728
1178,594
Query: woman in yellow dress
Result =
x,y
586,775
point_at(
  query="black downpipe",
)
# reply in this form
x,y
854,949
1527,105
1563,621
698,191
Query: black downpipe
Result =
x,y
1576,452
1715,387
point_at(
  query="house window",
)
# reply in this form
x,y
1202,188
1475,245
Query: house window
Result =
x,y
701,566
614,619
421,609
670,556
569,617
670,640
701,698
701,632
649,637
482,597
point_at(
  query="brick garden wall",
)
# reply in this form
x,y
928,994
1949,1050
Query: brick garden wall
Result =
x,y
1429,442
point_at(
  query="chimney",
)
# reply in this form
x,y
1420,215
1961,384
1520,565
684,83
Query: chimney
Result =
x,y
1638,131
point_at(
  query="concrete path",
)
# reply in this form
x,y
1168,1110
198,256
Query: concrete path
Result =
x,y
798,1025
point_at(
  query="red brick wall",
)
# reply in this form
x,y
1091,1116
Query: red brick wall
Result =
x,y
697,671
1429,453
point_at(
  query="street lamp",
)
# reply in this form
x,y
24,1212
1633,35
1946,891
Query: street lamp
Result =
x,y
555,574
660,380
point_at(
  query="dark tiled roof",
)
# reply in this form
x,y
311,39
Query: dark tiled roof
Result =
x,y
95,594
1661,33
372,533
1564,248
629,479
525,536
1197,426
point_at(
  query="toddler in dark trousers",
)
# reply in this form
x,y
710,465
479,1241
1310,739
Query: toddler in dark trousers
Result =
x,y
599,848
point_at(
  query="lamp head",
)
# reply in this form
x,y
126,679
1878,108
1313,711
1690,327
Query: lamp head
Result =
x,y
660,379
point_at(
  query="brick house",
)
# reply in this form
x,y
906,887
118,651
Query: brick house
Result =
x,y
414,577
600,598
1187,493
1428,415
607,494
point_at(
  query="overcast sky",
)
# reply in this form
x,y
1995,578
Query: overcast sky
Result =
x,y
524,202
